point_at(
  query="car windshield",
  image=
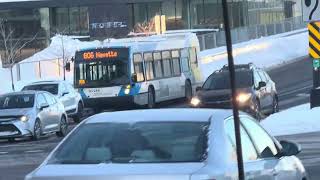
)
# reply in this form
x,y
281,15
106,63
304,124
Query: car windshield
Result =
x,y
221,80
145,142
17,101
52,88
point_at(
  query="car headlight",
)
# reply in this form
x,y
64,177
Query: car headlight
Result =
x,y
195,101
24,118
243,98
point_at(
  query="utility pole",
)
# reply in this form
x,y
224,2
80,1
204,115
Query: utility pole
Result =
x,y
63,59
233,89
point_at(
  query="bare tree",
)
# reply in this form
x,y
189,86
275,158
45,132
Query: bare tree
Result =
x,y
12,46
145,27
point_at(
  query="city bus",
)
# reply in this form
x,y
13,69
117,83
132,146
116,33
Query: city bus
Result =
x,y
139,71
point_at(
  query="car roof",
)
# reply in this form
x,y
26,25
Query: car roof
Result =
x,y
46,82
160,115
23,92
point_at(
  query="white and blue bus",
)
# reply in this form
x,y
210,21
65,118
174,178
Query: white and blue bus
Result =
x,y
138,71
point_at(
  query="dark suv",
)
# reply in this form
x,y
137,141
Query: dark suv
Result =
x,y
256,92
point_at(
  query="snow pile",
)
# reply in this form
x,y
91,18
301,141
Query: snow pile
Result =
x,y
297,120
5,77
264,52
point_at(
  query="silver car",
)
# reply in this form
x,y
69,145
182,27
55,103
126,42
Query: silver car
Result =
x,y
64,91
173,144
31,113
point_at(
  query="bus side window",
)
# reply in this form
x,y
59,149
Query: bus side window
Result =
x,y
138,67
176,62
185,64
193,55
158,65
166,61
148,61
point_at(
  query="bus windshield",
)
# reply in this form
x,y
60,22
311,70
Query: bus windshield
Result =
x,y
101,74
103,67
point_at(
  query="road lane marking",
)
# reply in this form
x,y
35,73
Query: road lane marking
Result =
x,y
295,90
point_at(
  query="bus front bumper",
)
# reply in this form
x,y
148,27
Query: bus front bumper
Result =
x,y
110,102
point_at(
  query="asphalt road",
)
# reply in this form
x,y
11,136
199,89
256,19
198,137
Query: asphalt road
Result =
x,y
294,82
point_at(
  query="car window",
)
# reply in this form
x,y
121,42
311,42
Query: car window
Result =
x,y
248,150
51,88
144,142
263,142
17,101
49,99
63,88
221,80
41,100
257,79
262,76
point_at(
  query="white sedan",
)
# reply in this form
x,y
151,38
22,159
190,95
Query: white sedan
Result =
x,y
173,144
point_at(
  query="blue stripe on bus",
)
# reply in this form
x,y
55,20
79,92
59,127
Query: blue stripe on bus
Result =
x,y
83,95
133,91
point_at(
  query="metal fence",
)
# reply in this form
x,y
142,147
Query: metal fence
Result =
x,y
217,39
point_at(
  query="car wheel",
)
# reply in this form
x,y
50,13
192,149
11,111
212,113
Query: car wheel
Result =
x,y
63,127
37,131
77,118
188,91
151,98
275,105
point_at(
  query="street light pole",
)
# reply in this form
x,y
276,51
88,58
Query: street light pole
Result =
x,y
233,89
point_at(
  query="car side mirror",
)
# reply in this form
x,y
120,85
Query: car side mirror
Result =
x,y
289,148
43,106
198,88
68,66
262,84
134,78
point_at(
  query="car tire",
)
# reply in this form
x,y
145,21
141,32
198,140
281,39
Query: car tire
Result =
x,y
37,131
151,98
275,105
78,116
188,91
63,127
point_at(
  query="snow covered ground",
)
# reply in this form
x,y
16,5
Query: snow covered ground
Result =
x,y
296,120
265,52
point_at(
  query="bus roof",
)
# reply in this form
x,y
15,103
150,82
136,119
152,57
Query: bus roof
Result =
x,y
153,43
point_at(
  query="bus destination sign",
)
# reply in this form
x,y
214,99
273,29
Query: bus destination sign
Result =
x,y
103,54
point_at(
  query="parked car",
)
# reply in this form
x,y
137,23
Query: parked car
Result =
x,y
64,91
169,144
256,92
31,113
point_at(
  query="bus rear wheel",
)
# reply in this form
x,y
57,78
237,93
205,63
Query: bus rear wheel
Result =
x,y
151,98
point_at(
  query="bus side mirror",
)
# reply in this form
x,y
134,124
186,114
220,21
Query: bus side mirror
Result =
x,y
134,78
68,66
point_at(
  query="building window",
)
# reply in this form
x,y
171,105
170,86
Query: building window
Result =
x,y
158,64
149,65
138,67
166,58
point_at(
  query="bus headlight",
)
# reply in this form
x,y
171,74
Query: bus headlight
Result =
x,y
243,98
195,101
127,90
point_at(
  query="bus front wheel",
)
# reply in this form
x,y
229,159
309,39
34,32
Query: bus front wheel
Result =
x,y
151,98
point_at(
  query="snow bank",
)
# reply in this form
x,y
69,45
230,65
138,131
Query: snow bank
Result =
x,y
297,120
264,52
